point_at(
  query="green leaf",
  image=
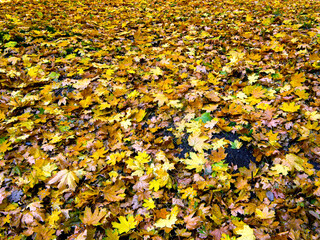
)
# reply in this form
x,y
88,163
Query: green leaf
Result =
x,y
64,128
54,75
204,117
10,44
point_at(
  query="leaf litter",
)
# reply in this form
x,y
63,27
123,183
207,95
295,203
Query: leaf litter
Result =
x,y
159,119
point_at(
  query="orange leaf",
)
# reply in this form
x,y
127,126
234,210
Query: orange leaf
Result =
x,y
218,155
93,218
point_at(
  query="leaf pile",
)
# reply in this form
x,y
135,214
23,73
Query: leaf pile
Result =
x,y
96,96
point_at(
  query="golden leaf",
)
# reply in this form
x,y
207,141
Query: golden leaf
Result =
x,y
93,218
65,178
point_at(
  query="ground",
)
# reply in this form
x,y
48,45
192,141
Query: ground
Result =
x,y
159,119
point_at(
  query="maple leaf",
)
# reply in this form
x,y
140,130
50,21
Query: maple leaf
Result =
x,y
114,193
293,161
198,143
196,161
289,107
155,184
170,219
86,102
48,169
280,169
246,233
273,138
111,235
236,144
93,218
137,164
188,193
65,178
218,155
314,116
227,237
149,203
160,98
192,222
99,153
219,143
297,79
54,217
265,213
253,78
82,84
156,71
125,225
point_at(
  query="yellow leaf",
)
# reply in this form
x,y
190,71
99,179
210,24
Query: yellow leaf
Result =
x,y
169,221
253,78
226,237
48,169
56,138
126,123
104,105
161,99
246,233
6,219
65,178
82,84
273,138
86,102
212,79
290,107
149,203
99,153
155,184
140,115
188,193
5,146
2,116
93,218
294,162
198,143
156,71
280,169
196,161
33,71
219,143
54,217
302,94
297,79
314,116
248,18
112,235
125,225
184,75
114,193
265,213
137,163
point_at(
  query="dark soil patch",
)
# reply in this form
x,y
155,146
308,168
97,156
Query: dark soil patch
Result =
x,y
240,157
